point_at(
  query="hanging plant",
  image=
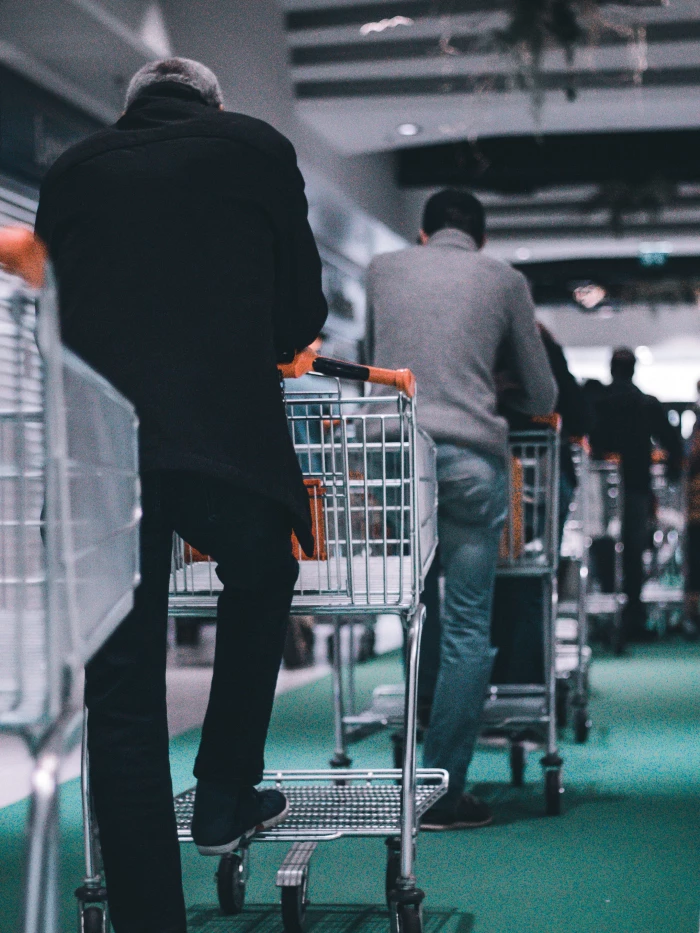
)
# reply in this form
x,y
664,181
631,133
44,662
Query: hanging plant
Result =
x,y
534,26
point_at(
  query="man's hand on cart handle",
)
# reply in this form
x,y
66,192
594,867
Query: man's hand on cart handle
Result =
x,y
308,360
22,253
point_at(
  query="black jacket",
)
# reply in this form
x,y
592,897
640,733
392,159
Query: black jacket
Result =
x,y
187,269
572,406
626,422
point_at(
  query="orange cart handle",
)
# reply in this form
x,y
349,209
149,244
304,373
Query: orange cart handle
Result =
x,y
23,253
581,441
309,361
551,421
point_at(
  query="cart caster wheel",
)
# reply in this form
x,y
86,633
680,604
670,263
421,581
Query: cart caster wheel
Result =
x,y
230,883
553,791
582,725
93,920
294,903
187,632
409,918
518,760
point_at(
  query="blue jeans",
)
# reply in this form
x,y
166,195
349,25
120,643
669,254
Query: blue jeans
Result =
x,y
472,506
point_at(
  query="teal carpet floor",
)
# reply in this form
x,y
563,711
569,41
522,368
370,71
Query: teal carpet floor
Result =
x,y
623,858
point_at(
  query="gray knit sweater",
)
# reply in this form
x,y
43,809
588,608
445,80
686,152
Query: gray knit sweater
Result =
x,y
446,311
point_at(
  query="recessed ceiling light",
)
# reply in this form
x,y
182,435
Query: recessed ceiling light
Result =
x,y
408,129
523,253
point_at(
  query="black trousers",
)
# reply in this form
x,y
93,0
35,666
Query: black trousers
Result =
x,y
635,534
250,538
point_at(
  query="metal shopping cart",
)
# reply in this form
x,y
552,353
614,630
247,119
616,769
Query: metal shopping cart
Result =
x,y
370,475
530,549
68,473
605,510
663,592
573,653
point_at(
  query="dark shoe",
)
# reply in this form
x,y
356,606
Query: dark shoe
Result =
x,y
468,813
223,818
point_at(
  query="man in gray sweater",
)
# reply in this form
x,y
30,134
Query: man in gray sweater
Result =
x,y
448,312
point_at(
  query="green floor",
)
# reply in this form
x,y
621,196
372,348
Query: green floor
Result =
x,y
624,857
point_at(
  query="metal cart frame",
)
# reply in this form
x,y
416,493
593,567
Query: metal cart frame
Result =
x,y
530,548
574,653
58,603
370,474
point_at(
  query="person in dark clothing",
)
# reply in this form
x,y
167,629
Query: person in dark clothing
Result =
x,y
517,608
628,422
187,269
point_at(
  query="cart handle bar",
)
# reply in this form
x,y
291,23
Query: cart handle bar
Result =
x,y
308,360
22,253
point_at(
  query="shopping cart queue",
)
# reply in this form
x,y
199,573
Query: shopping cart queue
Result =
x,y
187,273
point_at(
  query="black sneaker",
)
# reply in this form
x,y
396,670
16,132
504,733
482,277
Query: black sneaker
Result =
x,y
223,818
468,813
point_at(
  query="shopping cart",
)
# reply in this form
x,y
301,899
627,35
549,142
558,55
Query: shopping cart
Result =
x,y
370,475
573,653
663,592
68,473
530,548
605,510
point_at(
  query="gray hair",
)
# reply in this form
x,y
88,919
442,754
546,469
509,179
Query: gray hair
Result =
x,y
180,71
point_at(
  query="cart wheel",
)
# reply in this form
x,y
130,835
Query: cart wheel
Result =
x,y
294,903
92,920
582,725
518,760
409,918
187,632
230,884
552,791
393,870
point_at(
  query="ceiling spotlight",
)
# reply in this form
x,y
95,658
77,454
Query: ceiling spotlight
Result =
x,y
589,296
408,129
523,254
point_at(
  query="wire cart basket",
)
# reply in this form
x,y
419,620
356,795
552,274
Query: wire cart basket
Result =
x,y
604,513
69,476
530,548
370,476
573,653
663,592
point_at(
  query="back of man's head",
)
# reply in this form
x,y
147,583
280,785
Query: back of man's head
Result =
x,y
458,210
622,363
176,71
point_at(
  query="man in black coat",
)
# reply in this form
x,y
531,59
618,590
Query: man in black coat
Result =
x,y
187,269
628,422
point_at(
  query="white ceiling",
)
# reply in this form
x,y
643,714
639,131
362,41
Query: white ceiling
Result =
x,y
641,70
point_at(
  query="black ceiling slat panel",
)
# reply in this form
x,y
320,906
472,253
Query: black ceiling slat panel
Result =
x,y
374,50
518,164
498,83
553,282
299,20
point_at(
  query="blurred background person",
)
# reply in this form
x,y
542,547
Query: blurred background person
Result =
x,y
628,423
